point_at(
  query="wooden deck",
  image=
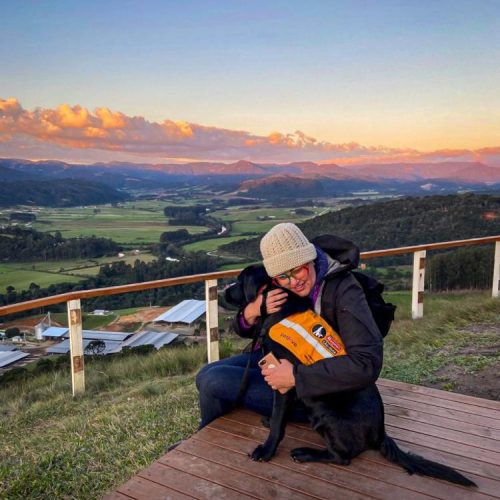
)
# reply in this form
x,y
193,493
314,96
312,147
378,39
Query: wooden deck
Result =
x,y
460,431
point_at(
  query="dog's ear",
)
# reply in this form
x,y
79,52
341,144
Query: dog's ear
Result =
x,y
245,290
253,278
235,296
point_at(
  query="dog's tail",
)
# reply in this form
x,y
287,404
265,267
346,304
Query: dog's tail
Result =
x,y
414,464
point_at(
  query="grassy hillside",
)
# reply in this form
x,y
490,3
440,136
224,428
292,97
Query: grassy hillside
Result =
x,y
54,446
58,193
406,221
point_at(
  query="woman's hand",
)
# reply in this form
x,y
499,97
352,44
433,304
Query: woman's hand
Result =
x,y
281,377
274,301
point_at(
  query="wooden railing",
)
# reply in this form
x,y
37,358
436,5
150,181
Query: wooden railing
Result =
x,y
73,299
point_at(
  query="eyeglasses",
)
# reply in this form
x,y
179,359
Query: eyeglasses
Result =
x,y
299,273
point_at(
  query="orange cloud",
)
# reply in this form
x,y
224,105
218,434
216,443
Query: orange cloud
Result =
x,y
110,119
75,127
73,117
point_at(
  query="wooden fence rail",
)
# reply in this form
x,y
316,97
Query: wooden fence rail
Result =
x,y
75,317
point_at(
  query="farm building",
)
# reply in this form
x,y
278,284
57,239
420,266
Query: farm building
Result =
x,y
109,347
100,312
157,339
114,342
11,356
186,312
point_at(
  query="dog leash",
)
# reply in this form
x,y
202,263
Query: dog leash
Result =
x,y
255,338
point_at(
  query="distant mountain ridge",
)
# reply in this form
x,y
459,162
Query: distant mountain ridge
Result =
x,y
308,178
402,171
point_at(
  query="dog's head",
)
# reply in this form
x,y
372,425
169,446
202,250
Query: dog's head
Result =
x,y
248,284
251,281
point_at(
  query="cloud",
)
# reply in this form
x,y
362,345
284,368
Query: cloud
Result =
x,y
77,129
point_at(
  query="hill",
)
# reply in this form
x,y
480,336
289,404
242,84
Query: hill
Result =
x,y
402,222
58,193
309,177
57,446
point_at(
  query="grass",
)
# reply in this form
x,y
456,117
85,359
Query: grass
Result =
x,y
132,223
90,321
45,273
55,446
210,245
16,276
415,350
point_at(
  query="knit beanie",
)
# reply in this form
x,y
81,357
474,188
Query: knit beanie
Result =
x,y
284,247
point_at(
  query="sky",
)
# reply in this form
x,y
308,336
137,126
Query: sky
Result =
x,y
269,81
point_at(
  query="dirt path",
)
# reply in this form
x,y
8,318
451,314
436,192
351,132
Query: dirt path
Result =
x,y
483,344
139,318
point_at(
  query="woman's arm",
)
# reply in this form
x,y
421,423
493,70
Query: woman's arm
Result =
x,y
363,342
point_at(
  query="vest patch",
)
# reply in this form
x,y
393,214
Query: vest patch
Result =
x,y
308,337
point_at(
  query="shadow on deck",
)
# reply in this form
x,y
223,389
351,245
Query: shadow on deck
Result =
x,y
460,431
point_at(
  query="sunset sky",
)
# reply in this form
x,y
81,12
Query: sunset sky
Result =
x,y
163,81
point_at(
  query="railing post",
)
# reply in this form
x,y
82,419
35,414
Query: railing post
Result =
x,y
76,346
496,272
417,296
212,317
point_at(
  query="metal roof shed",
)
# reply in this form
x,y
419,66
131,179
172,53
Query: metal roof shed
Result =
x,y
7,347
157,339
111,346
58,332
186,311
98,335
9,357
55,332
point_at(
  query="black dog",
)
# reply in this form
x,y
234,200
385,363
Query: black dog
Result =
x,y
350,422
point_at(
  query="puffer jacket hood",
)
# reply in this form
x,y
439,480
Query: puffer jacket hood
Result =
x,y
345,252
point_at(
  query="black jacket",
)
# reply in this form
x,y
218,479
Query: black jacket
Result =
x,y
355,324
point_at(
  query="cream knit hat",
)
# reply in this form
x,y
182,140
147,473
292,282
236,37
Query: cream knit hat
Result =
x,y
284,247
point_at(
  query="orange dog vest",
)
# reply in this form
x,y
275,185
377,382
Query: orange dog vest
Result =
x,y
308,337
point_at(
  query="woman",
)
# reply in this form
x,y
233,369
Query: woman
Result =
x,y
303,267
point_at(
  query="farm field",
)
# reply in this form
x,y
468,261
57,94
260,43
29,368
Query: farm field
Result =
x,y
244,221
21,277
135,225
44,273
210,245
132,223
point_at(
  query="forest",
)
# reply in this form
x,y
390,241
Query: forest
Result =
x,y
408,221
120,273
58,193
26,245
402,222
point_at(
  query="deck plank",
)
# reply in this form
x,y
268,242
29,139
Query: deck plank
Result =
x,y
429,391
460,431
431,449
188,483
368,476
418,415
303,436
436,400
139,488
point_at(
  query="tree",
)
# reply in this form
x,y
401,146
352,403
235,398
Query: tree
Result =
x,y
95,347
12,332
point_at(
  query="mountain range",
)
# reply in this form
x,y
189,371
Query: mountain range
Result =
x,y
298,178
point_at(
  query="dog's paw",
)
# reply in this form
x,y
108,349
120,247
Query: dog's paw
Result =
x,y
261,454
302,454
266,422
315,455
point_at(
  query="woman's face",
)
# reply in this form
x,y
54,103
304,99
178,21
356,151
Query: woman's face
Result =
x,y
300,280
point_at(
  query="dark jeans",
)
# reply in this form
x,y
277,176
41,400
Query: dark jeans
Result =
x,y
219,383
